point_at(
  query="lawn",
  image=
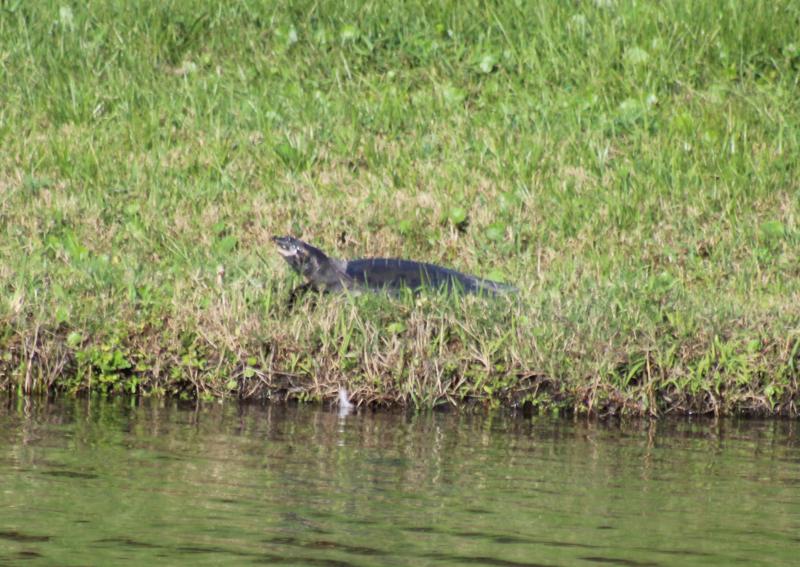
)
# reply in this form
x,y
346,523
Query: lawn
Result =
x,y
631,166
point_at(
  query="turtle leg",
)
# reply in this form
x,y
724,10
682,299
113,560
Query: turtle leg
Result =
x,y
296,293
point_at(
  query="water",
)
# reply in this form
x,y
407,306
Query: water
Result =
x,y
118,483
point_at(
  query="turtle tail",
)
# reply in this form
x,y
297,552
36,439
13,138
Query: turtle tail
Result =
x,y
494,287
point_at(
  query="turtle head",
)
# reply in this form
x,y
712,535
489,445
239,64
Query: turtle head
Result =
x,y
302,257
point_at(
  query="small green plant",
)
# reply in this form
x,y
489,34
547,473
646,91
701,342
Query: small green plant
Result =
x,y
105,366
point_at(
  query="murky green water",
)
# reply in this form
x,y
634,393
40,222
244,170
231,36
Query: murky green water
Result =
x,y
88,483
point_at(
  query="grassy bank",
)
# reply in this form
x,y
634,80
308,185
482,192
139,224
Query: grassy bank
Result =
x,y
632,166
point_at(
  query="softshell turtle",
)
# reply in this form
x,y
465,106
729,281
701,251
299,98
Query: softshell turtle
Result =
x,y
324,273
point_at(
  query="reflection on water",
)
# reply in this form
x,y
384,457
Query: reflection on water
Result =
x,y
121,482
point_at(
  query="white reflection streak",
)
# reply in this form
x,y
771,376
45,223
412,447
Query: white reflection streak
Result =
x,y
345,409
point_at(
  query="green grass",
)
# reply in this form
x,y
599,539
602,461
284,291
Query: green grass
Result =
x,y
632,166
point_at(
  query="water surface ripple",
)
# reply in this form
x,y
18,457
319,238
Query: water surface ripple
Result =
x,y
85,482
